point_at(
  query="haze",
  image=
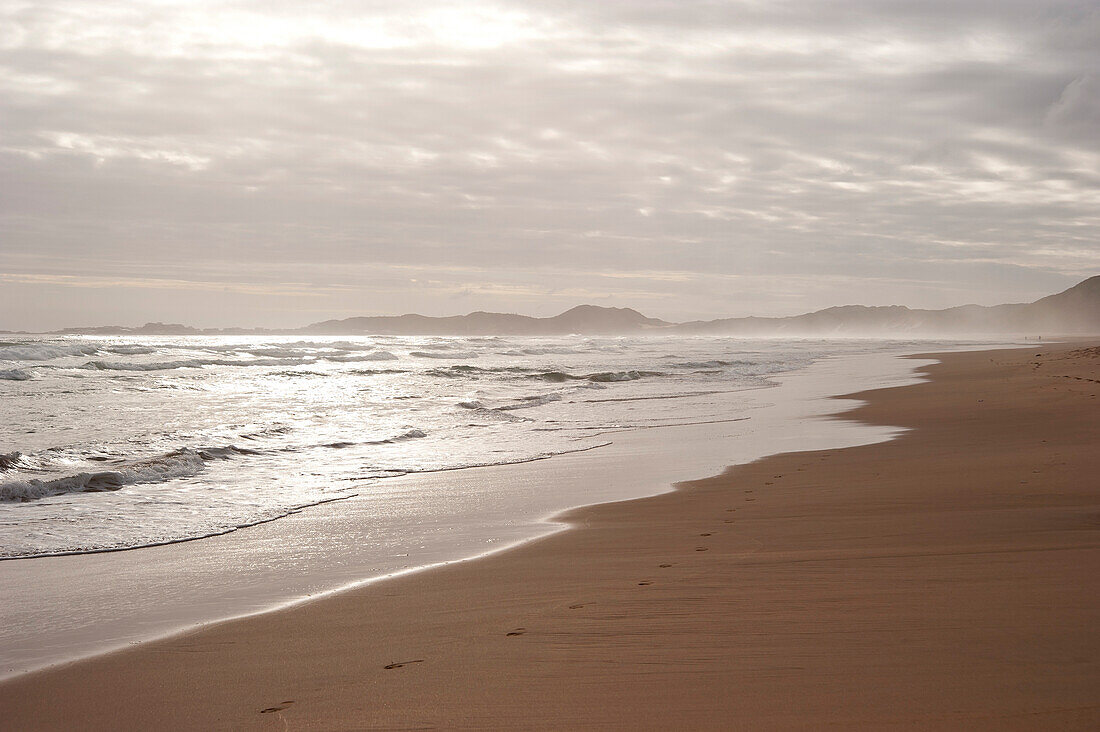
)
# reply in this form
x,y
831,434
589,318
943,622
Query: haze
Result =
x,y
246,163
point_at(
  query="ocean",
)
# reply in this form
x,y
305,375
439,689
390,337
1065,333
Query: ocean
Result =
x,y
115,443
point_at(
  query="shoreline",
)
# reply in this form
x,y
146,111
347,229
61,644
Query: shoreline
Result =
x,y
804,394
744,619
299,509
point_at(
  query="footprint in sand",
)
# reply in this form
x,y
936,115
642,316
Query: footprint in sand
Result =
x,y
517,631
704,534
578,606
399,664
664,566
700,548
279,708
643,584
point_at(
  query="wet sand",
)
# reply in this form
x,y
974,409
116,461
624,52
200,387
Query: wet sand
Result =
x,y
949,579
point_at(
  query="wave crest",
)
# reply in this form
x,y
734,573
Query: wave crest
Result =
x,y
612,376
10,460
444,354
184,463
413,434
195,363
44,351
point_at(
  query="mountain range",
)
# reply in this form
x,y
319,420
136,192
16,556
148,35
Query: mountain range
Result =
x,y
1075,311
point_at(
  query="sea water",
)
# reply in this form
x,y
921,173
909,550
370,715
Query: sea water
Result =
x,y
113,443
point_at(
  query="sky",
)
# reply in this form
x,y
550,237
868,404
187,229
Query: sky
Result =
x,y
272,163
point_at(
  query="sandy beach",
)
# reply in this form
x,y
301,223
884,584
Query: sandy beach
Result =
x,y
949,579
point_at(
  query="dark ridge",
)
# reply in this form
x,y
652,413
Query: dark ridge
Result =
x,y
1075,311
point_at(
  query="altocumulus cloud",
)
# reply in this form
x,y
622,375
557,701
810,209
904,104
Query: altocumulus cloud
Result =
x,y
690,158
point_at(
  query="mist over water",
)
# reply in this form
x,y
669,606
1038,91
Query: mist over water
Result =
x,y
110,443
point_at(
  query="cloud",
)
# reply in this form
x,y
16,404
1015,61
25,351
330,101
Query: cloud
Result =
x,y
554,141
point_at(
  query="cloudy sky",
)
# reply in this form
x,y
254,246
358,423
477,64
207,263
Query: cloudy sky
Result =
x,y
253,162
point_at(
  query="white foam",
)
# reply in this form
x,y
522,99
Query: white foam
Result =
x,y
280,358
45,351
413,434
356,357
10,460
129,350
612,376
445,354
182,464
529,402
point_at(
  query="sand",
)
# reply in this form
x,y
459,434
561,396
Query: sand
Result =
x,y
949,579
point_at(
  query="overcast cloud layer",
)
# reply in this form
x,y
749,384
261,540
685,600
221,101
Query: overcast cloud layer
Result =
x,y
255,163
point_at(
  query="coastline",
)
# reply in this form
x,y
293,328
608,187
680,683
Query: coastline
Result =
x,y
103,602
945,579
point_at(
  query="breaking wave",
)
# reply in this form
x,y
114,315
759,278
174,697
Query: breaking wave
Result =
x,y
189,363
612,376
554,376
485,412
603,377
472,371
184,463
44,351
444,354
375,372
124,350
356,357
410,435
10,460
542,351
536,400
14,375
195,363
715,364
530,401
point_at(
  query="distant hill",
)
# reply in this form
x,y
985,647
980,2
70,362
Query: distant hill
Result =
x,y
581,319
147,329
1073,312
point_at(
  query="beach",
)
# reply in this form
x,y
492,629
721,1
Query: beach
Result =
x,y
58,609
946,579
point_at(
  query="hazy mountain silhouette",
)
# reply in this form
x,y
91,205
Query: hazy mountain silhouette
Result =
x,y
1075,311
581,319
